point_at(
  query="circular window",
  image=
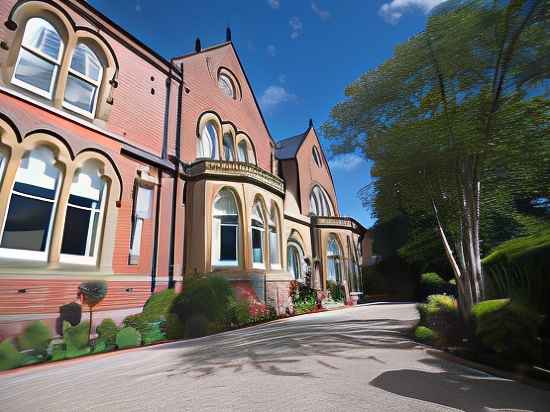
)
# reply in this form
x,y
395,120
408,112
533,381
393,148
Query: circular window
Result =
x,y
225,83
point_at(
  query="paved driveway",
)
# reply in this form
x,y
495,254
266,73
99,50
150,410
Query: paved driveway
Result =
x,y
354,359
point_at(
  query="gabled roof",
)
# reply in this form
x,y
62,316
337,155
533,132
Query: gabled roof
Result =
x,y
288,148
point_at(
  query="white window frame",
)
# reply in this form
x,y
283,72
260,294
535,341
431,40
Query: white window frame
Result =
x,y
298,248
138,223
336,258
34,255
89,260
211,140
216,236
230,139
258,265
87,79
245,144
56,62
273,229
227,85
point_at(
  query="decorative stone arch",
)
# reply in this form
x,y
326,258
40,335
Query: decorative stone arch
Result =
x,y
259,199
230,129
324,192
216,121
250,147
333,235
222,70
275,212
241,219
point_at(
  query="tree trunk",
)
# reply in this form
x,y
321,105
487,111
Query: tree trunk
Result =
x,y
90,328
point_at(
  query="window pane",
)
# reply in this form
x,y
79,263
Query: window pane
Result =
x,y
243,152
228,243
227,87
41,35
228,147
273,247
34,190
144,200
75,234
27,224
136,238
86,62
35,71
257,253
80,93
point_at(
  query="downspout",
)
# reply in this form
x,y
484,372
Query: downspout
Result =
x,y
154,263
171,282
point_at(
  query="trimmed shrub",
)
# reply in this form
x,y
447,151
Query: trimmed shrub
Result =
x,y
128,337
508,328
58,351
206,296
197,326
9,356
76,339
433,284
424,334
101,346
238,313
106,332
35,337
441,315
173,328
155,333
72,313
158,304
139,322
336,291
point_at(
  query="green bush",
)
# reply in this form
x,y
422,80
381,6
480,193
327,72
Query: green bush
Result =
x,y
336,291
139,321
128,337
35,337
433,284
155,333
424,334
9,356
305,306
197,326
71,312
508,328
441,315
106,332
173,328
76,339
58,351
237,313
205,296
158,305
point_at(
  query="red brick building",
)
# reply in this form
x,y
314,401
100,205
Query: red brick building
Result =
x,y
118,164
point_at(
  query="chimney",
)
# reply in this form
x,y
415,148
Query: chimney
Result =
x,y
228,34
198,47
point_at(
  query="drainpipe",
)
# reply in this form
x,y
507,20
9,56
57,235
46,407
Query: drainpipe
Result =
x,y
171,282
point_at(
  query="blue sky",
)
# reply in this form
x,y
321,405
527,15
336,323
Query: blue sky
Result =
x,y
298,54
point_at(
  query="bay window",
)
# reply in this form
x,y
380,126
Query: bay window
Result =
x,y
258,233
28,221
225,230
207,142
334,260
39,58
83,221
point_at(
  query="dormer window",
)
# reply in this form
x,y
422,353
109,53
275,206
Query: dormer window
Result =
x,y
39,58
84,81
225,83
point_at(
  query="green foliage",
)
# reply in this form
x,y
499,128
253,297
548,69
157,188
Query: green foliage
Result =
x,y
106,332
158,304
306,305
174,328
336,291
508,329
205,296
433,284
101,345
58,352
128,337
139,321
441,315
197,326
424,334
155,333
35,337
93,291
71,312
304,298
9,356
238,313
76,339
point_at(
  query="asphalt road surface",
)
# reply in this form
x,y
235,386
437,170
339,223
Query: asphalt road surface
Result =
x,y
347,360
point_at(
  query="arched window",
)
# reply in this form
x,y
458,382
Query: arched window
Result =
x,y
225,83
319,204
316,156
225,230
274,253
258,234
83,81
295,260
84,218
3,161
39,58
334,260
29,219
242,151
207,144
228,149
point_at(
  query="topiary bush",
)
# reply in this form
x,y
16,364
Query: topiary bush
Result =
x,y
237,313
71,312
155,333
197,326
433,284
173,328
9,356
106,332
35,337
207,296
441,315
92,293
76,339
158,305
508,329
139,321
128,337
424,334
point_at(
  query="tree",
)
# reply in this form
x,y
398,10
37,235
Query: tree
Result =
x,y
459,107
91,293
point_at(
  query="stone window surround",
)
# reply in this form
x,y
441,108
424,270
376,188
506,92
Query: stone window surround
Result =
x,y
69,165
71,36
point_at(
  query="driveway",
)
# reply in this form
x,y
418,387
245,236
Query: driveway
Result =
x,y
355,359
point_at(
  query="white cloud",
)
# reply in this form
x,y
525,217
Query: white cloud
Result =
x,y
296,27
323,14
271,50
274,4
347,162
274,96
394,10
